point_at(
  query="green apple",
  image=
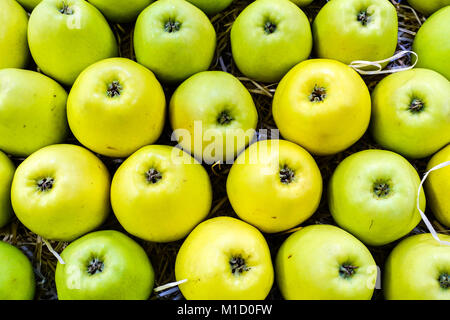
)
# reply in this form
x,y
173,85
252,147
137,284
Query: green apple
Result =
x,y
66,36
16,274
323,262
61,192
211,7
32,111
418,269
432,43
13,35
349,30
437,186
213,116
104,265
115,107
224,259
428,7
373,195
268,38
411,112
7,169
121,11
302,3
174,39
29,5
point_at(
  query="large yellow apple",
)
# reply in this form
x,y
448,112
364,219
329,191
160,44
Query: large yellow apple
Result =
x,y
224,259
437,186
274,185
322,105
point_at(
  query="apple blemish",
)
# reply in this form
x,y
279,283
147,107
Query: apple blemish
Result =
x,y
444,280
347,271
95,266
153,176
172,26
45,184
416,105
287,175
318,94
238,265
114,89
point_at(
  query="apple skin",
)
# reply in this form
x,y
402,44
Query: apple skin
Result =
x,y
204,260
309,262
29,5
13,35
121,11
177,54
328,126
205,97
302,3
339,35
116,122
402,125
437,186
413,269
265,56
76,202
63,45
16,274
33,112
427,7
211,7
375,216
432,43
7,169
168,207
258,194
127,273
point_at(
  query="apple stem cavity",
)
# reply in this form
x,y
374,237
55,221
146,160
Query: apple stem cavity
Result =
x,y
287,175
363,17
444,281
224,118
238,265
95,266
318,94
172,26
45,184
416,105
269,27
114,89
153,175
381,189
66,9
346,271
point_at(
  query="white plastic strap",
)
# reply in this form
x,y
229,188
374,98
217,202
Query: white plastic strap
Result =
x,y
169,285
424,217
359,65
50,248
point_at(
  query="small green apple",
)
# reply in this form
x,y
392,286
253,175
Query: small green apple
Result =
x,y
121,11
211,7
7,169
13,35
432,43
61,192
268,38
418,269
174,39
428,7
32,111
349,30
104,265
323,262
29,5
66,36
411,112
16,274
373,193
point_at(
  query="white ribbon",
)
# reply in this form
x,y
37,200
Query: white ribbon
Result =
x,y
169,285
424,217
50,248
359,64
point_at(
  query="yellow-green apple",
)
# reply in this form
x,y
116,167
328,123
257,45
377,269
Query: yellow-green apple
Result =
x,y
160,193
29,5
432,43
61,192
270,37
373,195
411,112
115,107
32,112
211,7
121,11
174,39
274,185
224,259
437,186
428,7
322,105
16,274
349,30
13,35
323,262
66,36
7,169
213,116
104,265
418,269
302,3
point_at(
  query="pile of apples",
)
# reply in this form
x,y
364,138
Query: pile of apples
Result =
x,y
116,107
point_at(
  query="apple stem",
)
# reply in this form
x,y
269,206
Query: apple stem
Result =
x,y
238,265
153,175
269,27
224,118
444,281
45,184
363,17
172,26
95,266
287,175
416,105
114,89
347,271
318,94
66,9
